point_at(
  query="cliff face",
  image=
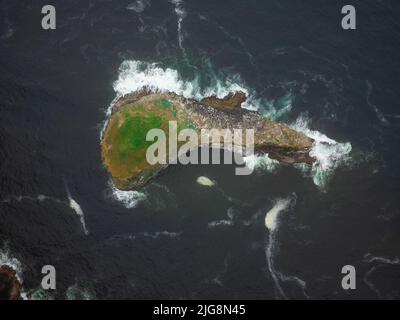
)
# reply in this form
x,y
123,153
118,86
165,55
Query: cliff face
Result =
x,y
10,288
124,142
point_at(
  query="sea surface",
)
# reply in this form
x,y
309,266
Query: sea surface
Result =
x,y
282,232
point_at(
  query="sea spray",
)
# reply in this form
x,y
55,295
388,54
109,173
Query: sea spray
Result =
x,y
76,292
134,75
7,259
329,154
261,163
130,199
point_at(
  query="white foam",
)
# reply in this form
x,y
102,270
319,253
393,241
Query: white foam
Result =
x,y
329,153
134,75
181,14
204,181
261,162
272,224
130,199
41,198
379,262
152,235
7,259
220,223
77,208
138,6
271,218
370,259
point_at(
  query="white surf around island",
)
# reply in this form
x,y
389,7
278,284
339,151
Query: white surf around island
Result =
x,y
135,75
130,199
7,259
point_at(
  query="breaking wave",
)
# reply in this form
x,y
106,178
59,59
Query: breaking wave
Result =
x,y
134,75
261,162
7,259
329,154
130,199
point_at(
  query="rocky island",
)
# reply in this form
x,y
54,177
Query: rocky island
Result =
x,y
10,287
124,145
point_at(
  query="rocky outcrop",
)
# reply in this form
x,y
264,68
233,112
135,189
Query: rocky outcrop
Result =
x,y
10,287
232,100
124,142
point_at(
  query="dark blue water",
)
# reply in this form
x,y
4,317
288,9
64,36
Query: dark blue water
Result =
x,y
56,85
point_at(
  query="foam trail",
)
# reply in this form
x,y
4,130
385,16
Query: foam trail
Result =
x,y
370,258
181,14
153,235
271,218
224,222
232,37
272,224
77,208
381,262
138,6
40,198
218,278
378,113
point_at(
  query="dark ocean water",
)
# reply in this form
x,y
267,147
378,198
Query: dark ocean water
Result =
x,y
296,60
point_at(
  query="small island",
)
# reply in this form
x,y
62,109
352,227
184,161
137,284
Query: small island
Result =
x,y
10,287
124,145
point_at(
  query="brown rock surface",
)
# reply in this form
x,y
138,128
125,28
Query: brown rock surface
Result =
x,y
10,287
